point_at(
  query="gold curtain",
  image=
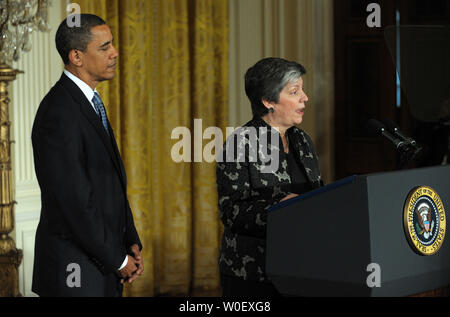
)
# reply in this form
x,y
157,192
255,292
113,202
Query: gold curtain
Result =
x,y
173,68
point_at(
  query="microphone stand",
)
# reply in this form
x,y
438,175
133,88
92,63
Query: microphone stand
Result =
x,y
407,148
406,156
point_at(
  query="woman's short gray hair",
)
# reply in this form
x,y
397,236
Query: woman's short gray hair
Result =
x,y
267,78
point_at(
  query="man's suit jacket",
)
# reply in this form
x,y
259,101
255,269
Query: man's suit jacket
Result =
x,y
86,221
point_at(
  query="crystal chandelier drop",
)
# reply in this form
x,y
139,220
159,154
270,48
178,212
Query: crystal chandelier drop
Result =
x,y
18,19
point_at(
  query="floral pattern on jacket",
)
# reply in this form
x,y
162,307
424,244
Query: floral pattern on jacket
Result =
x,y
246,191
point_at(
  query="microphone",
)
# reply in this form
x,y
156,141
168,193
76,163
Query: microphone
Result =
x,y
395,129
376,128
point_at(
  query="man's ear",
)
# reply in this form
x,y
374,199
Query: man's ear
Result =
x,y
75,57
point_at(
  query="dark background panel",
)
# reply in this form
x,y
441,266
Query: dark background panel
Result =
x,y
366,83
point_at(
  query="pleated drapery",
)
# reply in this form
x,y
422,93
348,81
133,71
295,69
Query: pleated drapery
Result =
x,y
172,69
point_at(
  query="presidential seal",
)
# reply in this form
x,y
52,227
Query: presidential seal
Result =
x,y
424,220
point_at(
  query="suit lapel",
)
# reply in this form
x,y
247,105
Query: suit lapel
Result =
x,y
94,120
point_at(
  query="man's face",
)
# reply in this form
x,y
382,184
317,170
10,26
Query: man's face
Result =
x,y
99,59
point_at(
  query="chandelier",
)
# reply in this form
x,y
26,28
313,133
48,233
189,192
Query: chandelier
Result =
x,y
18,19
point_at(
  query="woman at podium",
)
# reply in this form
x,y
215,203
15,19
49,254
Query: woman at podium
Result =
x,y
266,161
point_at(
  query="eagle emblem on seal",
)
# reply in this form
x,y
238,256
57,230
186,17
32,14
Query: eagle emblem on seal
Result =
x,y
424,224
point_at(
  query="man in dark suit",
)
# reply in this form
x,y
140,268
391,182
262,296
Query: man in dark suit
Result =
x,y
86,241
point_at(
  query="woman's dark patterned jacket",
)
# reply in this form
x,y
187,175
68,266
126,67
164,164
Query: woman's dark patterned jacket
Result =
x,y
246,191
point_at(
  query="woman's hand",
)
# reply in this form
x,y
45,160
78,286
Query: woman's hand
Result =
x,y
289,197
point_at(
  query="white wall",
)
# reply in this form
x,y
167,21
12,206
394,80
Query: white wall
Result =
x,y
42,67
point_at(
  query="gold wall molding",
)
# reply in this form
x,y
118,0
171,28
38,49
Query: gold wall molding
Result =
x,y
42,67
10,256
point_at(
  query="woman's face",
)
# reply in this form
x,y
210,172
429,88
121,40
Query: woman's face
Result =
x,y
291,106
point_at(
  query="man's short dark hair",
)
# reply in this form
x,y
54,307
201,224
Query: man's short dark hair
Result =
x,y
75,37
267,78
